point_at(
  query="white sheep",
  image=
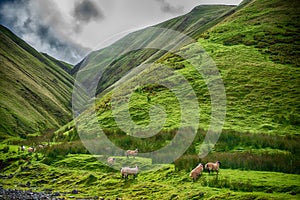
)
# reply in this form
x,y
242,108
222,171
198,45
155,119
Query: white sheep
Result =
x,y
23,148
131,153
111,161
126,171
196,172
213,166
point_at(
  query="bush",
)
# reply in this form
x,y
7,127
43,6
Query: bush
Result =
x,y
187,162
5,149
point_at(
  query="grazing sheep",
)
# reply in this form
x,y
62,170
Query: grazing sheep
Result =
x,y
213,166
126,171
23,148
111,161
132,153
196,172
30,149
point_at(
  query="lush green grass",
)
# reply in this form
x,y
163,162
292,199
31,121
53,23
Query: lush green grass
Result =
x,y
91,178
254,49
35,90
262,95
270,26
261,88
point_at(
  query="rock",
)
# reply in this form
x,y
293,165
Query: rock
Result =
x,y
28,184
54,180
74,191
20,195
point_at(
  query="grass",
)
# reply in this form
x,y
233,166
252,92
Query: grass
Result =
x,y
91,178
33,81
261,87
253,47
115,61
262,95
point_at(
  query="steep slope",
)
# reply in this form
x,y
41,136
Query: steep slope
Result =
x,y
197,21
261,81
257,50
35,91
270,26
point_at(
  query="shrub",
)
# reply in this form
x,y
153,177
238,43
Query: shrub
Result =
x,y
5,149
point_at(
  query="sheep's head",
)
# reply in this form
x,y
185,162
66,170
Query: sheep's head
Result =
x,y
219,162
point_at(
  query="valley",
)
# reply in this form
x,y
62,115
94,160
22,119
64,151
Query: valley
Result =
x,y
252,49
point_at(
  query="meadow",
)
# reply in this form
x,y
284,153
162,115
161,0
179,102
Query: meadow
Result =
x,y
91,179
254,47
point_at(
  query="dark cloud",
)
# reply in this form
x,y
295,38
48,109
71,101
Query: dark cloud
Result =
x,y
41,24
168,8
87,11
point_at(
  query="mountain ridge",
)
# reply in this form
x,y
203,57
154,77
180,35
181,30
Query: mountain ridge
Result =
x,y
239,54
35,90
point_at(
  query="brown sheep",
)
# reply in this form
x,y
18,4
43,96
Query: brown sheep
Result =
x,y
131,153
111,160
196,172
30,149
213,166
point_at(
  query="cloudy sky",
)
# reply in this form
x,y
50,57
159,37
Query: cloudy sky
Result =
x,y
69,29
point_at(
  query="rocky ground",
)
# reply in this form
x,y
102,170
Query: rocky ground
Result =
x,y
7,194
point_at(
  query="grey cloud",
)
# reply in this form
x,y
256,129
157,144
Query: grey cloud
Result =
x,y
86,11
168,8
41,24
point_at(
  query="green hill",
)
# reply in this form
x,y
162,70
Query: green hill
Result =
x,y
262,95
255,48
35,89
197,21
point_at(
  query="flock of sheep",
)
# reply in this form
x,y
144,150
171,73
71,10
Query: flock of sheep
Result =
x,y
32,149
126,171
210,167
195,173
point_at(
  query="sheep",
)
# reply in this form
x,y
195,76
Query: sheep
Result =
x,y
111,160
23,148
213,166
125,171
131,153
196,172
30,149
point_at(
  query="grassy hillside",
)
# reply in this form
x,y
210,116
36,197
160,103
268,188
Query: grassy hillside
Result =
x,y
256,50
254,47
35,90
261,84
270,26
262,108
115,62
